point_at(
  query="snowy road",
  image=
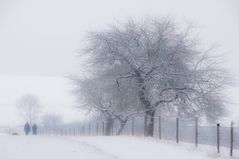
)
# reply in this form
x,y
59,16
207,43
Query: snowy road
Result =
x,y
47,147
34,147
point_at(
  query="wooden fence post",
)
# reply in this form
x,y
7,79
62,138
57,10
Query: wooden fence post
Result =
x,y
160,127
218,138
83,132
97,129
177,130
132,129
196,132
112,129
103,128
231,140
89,130
145,122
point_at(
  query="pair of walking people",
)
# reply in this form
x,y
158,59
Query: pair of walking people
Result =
x,y
27,129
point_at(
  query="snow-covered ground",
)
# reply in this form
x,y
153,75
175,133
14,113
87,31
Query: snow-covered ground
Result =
x,y
36,147
49,147
151,148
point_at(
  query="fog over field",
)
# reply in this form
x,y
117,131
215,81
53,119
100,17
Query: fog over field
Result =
x,y
53,92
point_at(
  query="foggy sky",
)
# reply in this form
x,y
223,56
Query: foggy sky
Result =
x,y
42,37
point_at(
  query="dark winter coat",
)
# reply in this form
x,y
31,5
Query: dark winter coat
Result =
x,y
27,128
34,129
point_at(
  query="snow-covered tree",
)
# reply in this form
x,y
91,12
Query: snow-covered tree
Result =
x,y
103,96
163,64
29,107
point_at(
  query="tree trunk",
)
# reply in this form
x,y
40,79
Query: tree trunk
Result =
x,y
122,126
108,127
150,111
149,123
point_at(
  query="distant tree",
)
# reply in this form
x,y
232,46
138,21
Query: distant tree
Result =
x,y
29,107
163,64
103,97
51,120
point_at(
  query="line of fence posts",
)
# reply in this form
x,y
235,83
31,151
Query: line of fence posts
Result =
x,y
82,132
196,134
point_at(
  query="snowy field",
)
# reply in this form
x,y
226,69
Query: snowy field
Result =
x,y
47,147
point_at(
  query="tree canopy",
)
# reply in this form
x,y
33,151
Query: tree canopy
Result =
x,y
160,65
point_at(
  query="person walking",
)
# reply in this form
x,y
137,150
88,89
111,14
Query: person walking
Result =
x,y
34,129
27,128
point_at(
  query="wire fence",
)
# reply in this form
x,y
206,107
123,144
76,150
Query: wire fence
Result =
x,y
178,130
